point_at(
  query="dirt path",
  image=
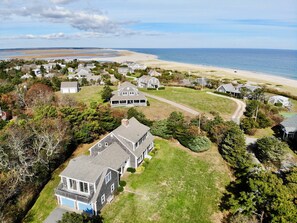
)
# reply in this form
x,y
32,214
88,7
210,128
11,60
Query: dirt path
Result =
x,y
239,110
180,106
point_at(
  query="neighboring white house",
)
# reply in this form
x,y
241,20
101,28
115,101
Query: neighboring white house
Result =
x,y
280,99
125,70
26,76
69,87
146,81
154,73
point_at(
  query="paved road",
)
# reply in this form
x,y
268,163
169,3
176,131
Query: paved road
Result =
x,y
239,110
185,108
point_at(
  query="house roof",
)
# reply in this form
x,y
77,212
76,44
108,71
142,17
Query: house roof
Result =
x,y
290,124
83,168
146,79
126,84
139,96
279,97
72,84
229,88
133,131
202,81
113,156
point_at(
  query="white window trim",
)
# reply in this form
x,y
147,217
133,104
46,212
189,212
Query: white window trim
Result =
x,y
112,188
108,177
103,199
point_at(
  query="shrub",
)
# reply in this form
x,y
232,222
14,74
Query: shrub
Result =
x,y
159,128
120,189
151,88
278,104
140,169
131,170
161,88
123,183
199,144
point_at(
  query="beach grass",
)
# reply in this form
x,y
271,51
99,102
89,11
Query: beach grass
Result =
x,y
196,99
176,186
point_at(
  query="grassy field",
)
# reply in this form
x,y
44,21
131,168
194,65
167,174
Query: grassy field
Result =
x,y
199,100
177,186
46,201
157,110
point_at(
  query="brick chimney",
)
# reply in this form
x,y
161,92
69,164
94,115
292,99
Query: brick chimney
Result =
x,y
125,122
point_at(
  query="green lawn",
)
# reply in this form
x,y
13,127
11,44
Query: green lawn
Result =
x,y
199,100
177,186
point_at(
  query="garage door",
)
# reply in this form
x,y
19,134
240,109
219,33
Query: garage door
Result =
x,y
67,202
85,207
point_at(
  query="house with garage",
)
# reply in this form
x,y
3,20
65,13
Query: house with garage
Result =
x,y
146,81
69,87
289,127
89,182
127,95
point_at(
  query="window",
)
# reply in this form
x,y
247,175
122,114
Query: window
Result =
x,y
106,144
112,188
99,145
72,184
102,198
83,187
108,177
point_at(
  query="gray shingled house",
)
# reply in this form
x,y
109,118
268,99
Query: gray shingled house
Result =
x,y
127,95
289,127
146,81
89,182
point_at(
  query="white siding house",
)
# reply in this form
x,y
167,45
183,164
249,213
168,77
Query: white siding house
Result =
x,y
69,87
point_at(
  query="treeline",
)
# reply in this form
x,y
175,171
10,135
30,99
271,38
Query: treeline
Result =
x,y
45,133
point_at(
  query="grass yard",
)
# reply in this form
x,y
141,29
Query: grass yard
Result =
x,y
199,100
177,186
46,201
89,94
157,110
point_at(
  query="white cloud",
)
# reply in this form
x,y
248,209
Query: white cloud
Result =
x,y
62,1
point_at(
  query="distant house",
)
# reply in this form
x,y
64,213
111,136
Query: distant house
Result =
x,y
229,89
186,82
127,95
89,182
146,81
133,65
154,73
289,127
202,81
125,70
280,99
26,76
69,87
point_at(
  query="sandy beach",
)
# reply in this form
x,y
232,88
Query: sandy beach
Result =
x,y
280,83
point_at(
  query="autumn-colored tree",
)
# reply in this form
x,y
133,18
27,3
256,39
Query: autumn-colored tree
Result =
x,y
39,94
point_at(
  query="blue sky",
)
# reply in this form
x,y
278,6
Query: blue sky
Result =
x,y
149,24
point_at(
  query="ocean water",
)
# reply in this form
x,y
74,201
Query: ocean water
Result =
x,y
281,63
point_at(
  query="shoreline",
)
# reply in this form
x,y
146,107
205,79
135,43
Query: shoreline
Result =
x,y
280,83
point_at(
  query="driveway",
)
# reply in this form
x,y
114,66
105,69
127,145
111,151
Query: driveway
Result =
x,y
55,215
239,110
180,106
